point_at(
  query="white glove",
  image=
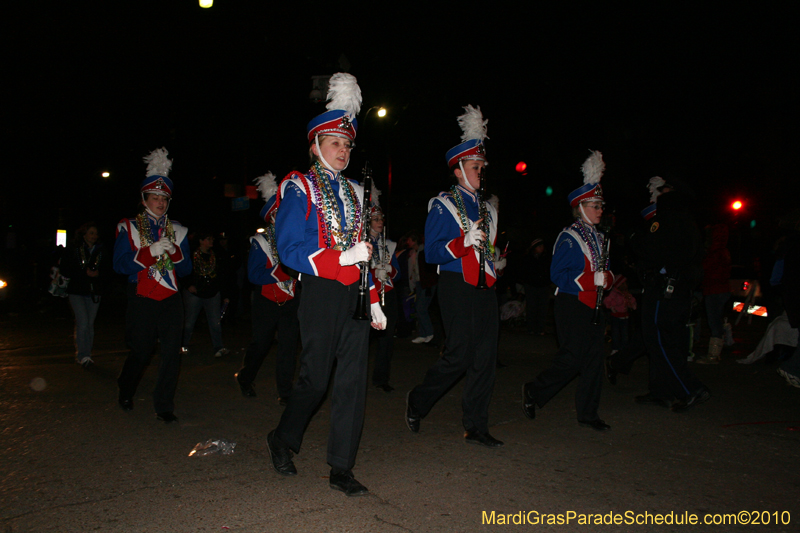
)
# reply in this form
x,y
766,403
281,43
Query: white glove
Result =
x,y
157,248
474,236
169,246
357,254
380,273
378,318
599,279
500,264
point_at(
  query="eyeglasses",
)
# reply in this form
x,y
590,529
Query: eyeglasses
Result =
x,y
595,206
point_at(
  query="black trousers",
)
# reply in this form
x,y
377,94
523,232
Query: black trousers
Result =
x,y
580,355
471,324
385,341
269,317
146,322
329,335
666,336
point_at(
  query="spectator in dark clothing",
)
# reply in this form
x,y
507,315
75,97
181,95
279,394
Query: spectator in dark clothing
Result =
x,y
87,267
716,289
536,281
203,290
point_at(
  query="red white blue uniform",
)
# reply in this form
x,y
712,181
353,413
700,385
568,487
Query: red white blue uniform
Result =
x,y
139,265
301,244
378,252
573,266
444,237
264,268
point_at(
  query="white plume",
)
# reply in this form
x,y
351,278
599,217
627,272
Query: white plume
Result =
x,y
376,196
266,185
593,167
344,93
472,124
495,201
653,185
158,163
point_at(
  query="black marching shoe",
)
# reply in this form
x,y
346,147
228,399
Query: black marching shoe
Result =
x,y
281,456
650,399
412,417
611,374
385,387
597,425
126,404
529,400
167,417
483,439
247,388
344,481
701,395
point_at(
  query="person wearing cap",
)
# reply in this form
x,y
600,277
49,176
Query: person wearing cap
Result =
x,y
318,231
273,306
669,255
153,252
578,269
385,269
459,224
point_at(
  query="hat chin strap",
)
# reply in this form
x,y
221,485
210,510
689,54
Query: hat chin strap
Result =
x,y
464,177
322,158
583,213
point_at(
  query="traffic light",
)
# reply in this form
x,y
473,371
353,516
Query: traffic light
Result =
x,y
521,167
737,205
548,191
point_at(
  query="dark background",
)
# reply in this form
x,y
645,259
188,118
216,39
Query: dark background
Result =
x,y
704,93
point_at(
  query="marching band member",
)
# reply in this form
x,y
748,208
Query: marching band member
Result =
x,y
385,269
273,306
317,228
459,224
152,251
577,269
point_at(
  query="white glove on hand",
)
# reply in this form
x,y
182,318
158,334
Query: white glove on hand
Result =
x,y
378,318
380,273
599,279
474,236
169,246
500,264
157,248
357,254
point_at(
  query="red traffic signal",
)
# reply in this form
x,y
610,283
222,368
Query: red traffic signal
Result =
x,y
736,205
521,167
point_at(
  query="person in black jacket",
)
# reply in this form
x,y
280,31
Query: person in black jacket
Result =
x,y
536,280
670,255
203,290
85,265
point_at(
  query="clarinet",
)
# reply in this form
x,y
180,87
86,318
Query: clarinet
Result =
x,y
485,228
602,267
362,306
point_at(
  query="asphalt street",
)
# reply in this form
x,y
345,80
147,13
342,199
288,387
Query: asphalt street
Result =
x,y
71,460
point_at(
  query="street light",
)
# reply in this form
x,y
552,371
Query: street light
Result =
x,y
206,3
106,174
382,112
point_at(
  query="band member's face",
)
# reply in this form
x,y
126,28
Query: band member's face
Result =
x,y
335,150
594,212
376,224
472,168
157,204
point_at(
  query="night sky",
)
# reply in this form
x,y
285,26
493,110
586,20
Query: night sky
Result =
x,y
705,94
